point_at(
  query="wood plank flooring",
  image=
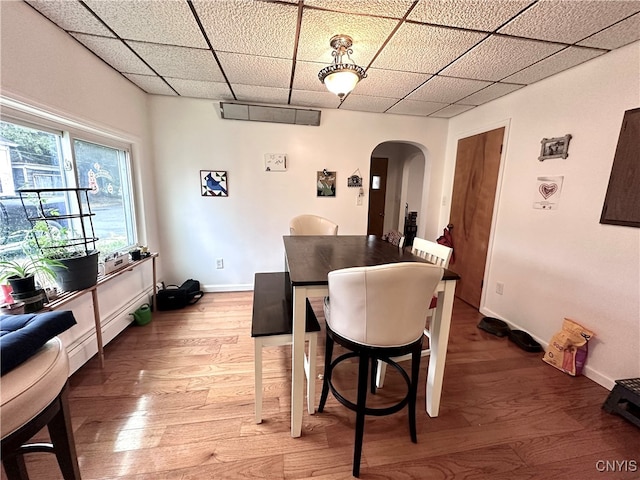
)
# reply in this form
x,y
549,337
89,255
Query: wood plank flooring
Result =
x,y
175,402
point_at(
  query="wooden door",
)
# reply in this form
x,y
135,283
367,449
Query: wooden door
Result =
x,y
474,191
377,178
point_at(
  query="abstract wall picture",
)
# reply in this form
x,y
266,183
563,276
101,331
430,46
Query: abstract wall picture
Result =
x,y
326,183
213,183
547,193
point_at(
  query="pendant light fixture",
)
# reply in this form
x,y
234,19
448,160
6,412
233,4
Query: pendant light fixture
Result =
x,y
341,77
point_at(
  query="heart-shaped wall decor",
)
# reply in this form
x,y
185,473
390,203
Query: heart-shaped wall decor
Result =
x,y
548,189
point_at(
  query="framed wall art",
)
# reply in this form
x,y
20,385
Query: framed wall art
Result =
x,y
326,183
213,183
557,147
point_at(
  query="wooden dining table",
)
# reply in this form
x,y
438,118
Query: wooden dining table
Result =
x,y
309,259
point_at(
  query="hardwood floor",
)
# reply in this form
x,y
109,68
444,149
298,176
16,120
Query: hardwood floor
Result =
x,y
175,402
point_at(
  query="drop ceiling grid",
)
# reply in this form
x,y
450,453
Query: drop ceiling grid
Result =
x,y
414,107
562,60
568,21
390,83
616,36
255,93
472,14
498,57
265,71
200,89
425,49
168,23
318,26
447,89
71,16
179,62
365,103
255,28
492,92
153,85
115,53
306,77
382,8
452,111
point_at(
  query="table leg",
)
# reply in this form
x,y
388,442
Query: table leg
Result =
x,y
297,360
439,329
96,318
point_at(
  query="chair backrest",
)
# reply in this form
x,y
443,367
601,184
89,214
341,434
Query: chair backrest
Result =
x,y
432,251
382,305
312,225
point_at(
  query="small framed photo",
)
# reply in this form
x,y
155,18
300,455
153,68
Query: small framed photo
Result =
x,y
213,183
557,147
354,181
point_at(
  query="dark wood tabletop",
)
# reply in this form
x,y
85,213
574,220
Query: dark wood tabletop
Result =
x,y
311,258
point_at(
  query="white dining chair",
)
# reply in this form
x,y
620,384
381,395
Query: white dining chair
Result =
x,y
312,225
438,255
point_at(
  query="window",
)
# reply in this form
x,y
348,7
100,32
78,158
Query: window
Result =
x,y
32,157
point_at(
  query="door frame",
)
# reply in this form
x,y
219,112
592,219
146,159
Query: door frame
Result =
x,y
506,123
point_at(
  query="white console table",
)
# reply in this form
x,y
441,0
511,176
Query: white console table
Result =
x,y
67,297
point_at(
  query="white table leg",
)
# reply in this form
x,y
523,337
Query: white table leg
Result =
x,y
439,328
297,359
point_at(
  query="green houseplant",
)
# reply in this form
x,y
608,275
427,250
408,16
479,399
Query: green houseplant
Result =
x,y
21,273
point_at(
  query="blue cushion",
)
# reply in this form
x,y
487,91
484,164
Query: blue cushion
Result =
x,y
23,335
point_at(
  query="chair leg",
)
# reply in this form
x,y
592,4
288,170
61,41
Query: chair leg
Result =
x,y
257,368
416,355
311,376
61,433
15,468
381,370
328,351
363,374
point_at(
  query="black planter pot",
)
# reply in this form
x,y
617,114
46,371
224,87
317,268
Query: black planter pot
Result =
x,y
23,284
81,272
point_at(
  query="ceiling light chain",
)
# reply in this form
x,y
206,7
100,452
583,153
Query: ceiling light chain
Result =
x,y
341,78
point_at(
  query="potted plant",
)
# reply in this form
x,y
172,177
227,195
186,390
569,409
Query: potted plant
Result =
x,y
21,274
75,265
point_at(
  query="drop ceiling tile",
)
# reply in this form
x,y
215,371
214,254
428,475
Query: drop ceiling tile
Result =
x,y
474,14
368,34
115,53
306,77
304,98
255,70
253,93
498,57
425,49
492,92
558,62
366,103
199,89
256,28
452,111
389,83
447,89
617,35
569,21
379,8
71,16
179,62
165,22
153,85
414,107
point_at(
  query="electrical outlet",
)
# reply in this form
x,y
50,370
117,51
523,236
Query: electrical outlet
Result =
x,y
499,288
219,263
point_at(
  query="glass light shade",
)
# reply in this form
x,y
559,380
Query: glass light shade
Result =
x,y
341,82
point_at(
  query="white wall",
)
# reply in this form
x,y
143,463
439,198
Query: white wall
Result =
x,y
45,68
246,228
564,263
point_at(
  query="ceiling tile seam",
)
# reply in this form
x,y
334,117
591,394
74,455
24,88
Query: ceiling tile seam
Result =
x,y
117,37
602,30
295,50
516,15
386,42
213,52
435,74
358,14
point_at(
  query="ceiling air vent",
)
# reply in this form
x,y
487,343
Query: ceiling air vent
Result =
x,y
260,113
